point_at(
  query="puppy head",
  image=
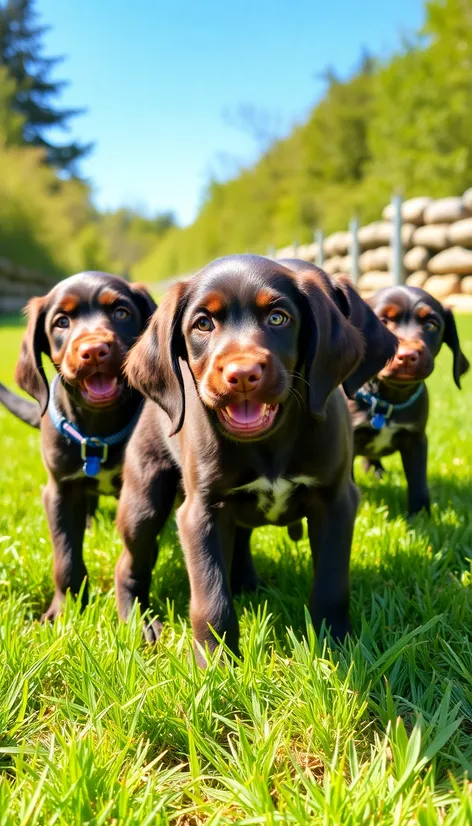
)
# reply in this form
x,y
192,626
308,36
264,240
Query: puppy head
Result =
x,y
249,330
380,343
421,325
86,325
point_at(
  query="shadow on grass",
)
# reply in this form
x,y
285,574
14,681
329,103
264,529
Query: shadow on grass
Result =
x,y
414,580
404,579
445,492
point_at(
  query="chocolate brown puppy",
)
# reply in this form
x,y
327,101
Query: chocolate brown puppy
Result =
x,y
86,325
345,296
390,413
242,366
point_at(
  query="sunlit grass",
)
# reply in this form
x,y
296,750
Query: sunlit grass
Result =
x,y
96,728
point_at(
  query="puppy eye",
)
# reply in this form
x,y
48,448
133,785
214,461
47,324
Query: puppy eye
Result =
x,y
429,326
121,314
278,319
385,320
62,321
204,324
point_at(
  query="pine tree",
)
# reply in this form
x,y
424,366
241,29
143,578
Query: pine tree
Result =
x,y
35,91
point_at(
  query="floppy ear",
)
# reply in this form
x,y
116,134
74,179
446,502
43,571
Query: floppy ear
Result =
x,y
451,338
333,346
380,344
152,366
29,374
144,301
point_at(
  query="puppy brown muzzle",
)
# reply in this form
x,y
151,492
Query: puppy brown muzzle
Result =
x,y
243,375
93,362
246,390
412,362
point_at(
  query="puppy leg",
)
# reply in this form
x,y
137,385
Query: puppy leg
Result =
x,y
295,531
415,464
330,528
66,511
207,537
243,573
144,506
373,464
92,505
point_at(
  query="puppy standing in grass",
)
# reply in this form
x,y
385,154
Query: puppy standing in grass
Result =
x,y
86,325
242,364
390,413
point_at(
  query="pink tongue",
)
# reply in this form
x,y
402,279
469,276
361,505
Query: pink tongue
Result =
x,y
100,385
246,412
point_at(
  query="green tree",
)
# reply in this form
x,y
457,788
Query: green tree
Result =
x,y
335,138
128,236
420,134
35,92
46,224
11,123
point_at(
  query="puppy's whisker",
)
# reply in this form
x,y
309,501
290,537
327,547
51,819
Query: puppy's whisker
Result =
x,y
298,397
296,391
295,375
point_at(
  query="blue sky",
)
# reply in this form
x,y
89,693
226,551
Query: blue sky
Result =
x,y
163,82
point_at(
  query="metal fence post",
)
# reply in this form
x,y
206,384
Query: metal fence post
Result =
x,y
354,249
396,243
319,239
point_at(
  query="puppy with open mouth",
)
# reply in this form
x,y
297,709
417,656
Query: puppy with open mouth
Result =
x,y
86,325
390,413
241,366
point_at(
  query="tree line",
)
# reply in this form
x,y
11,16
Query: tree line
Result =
x,y
47,219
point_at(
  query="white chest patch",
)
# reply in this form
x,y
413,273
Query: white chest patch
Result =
x,y
383,438
272,496
104,479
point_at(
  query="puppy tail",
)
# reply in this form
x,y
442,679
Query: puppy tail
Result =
x,y
23,409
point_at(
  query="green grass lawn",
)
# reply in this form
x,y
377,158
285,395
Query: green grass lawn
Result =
x,y
96,728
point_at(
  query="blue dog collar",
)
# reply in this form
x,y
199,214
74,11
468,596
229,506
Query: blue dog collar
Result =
x,y
380,411
93,449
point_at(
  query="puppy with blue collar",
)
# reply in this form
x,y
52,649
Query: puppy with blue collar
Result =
x,y
390,412
85,325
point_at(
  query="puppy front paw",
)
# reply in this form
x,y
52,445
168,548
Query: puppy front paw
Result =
x,y
56,608
152,631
